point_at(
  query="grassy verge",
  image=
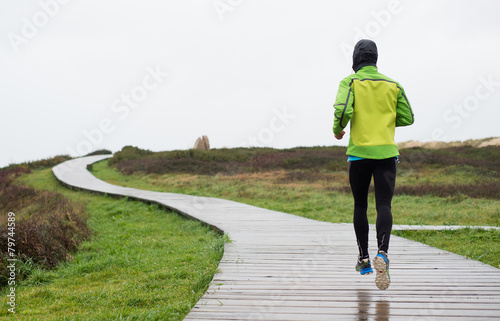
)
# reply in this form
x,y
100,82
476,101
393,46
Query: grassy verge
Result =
x,y
142,263
308,195
478,244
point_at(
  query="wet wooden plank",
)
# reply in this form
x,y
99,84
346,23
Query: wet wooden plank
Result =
x,y
380,312
346,298
269,308
285,267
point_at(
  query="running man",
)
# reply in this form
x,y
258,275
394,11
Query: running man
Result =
x,y
375,105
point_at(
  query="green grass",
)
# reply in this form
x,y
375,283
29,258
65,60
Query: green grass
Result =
x,y
142,263
317,199
477,244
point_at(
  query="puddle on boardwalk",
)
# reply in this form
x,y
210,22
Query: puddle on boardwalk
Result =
x,y
366,305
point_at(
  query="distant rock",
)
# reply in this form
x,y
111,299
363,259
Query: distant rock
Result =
x,y
202,143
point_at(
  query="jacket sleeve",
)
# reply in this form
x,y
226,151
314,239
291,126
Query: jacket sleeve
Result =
x,y
343,106
404,113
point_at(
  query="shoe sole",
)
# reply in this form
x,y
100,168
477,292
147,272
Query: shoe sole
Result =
x,y
382,280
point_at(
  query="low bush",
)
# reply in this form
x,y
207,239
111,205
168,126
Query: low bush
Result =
x,y
47,227
486,158
100,152
129,153
227,161
40,164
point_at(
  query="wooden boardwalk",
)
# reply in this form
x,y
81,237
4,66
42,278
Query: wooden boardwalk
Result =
x,y
285,267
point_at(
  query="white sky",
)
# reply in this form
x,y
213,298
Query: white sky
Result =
x,y
259,72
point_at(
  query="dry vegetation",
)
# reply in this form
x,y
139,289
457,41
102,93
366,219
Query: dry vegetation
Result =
x,y
422,171
48,227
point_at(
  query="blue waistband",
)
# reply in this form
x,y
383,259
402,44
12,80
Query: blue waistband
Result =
x,y
355,158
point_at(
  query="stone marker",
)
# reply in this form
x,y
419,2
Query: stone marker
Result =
x,y
202,143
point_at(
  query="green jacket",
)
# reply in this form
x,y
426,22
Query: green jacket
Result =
x,y
375,105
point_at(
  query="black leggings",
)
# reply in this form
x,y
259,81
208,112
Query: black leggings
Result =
x,y
384,178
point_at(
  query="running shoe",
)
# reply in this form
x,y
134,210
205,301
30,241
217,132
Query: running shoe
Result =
x,y
363,266
381,263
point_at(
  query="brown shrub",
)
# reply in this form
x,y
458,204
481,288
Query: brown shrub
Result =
x,y
47,227
162,166
53,230
488,190
39,164
486,158
10,174
229,162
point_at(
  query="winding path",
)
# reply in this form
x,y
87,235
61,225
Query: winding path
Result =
x,y
285,267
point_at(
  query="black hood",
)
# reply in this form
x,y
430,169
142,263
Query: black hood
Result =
x,y
365,54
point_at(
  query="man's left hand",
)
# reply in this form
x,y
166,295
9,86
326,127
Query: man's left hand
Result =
x,y
339,136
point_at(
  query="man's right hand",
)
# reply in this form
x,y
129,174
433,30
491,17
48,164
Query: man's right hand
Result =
x,y
339,136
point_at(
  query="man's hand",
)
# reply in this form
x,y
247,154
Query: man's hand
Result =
x,y
339,136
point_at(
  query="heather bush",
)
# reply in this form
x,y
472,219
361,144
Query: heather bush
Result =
x,y
48,227
100,152
479,167
43,163
487,190
181,165
227,161
129,153
487,158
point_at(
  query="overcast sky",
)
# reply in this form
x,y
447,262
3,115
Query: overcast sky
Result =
x,y
76,76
